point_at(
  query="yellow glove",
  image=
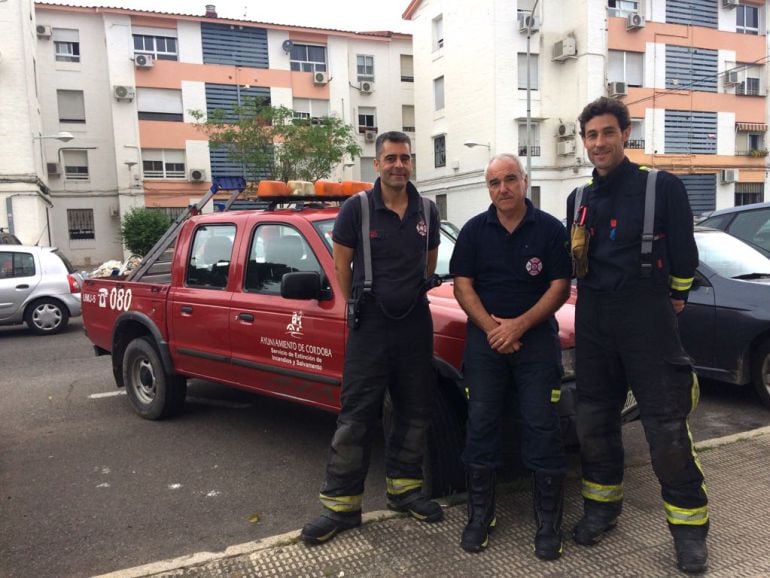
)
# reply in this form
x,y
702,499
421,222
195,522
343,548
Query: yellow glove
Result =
x,y
579,243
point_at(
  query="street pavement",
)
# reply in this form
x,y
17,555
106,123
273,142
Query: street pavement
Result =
x,y
389,545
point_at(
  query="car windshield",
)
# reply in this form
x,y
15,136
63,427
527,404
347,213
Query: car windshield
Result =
x,y
728,256
445,249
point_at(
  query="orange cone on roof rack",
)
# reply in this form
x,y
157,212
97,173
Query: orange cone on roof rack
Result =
x,y
328,188
273,189
352,187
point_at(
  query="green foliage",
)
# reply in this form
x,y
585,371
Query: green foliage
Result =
x,y
142,228
269,141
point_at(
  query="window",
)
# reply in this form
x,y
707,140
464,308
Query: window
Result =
x,y
229,98
71,106
308,108
407,118
690,132
534,192
622,8
694,13
690,68
275,251
368,174
438,32
80,224
367,119
209,264
66,44
441,206
13,264
75,164
750,85
365,67
163,164
307,58
748,193
747,19
534,144
407,68
636,138
533,70
439,151
750,142
438,93
159,47
626,67
159,104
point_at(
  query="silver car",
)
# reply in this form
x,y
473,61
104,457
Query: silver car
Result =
x,y
39,287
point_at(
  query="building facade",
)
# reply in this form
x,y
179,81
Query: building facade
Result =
x,y
124,82
692,74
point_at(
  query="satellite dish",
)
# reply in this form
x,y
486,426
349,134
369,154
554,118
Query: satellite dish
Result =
x,y
287,45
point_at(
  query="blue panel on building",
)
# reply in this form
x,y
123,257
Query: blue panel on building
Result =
x,y
693,12
691,68
691,132
234,44
226,96
224,166
702,192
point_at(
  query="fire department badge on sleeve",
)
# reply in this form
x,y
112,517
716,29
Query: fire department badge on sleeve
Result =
x,y
534,266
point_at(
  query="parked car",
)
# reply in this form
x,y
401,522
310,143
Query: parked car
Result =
x,y
725,326
750,223
39,287
7,238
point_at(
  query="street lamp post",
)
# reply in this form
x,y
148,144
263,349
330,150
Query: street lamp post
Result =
x,y
62,136
529,103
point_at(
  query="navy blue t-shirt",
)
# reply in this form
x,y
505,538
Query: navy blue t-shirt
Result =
x,y
398,246
511,271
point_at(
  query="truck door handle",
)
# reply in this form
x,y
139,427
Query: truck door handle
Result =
x,y
186,309
246,317
22,286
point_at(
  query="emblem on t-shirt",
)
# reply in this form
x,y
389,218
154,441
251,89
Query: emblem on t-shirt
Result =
x,y
534,266
422,228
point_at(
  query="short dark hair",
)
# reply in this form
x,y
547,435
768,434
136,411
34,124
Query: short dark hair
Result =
x,y
392,136
604,105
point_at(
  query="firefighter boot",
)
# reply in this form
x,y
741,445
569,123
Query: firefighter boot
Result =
x,y
481,508
691,551
328,525
416,505
549,507
598,518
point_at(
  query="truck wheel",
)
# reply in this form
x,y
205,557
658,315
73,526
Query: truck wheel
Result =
x,y
46,316
442,468
153,393
760,372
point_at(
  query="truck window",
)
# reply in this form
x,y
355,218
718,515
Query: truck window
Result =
x,y
209,263
275,251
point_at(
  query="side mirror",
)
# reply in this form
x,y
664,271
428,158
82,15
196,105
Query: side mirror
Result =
x,y
301,285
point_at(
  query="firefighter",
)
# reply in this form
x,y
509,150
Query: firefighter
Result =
x,y
390,342
635,266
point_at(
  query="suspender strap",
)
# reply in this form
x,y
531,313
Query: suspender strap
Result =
x,y
578,200
649,213
366,241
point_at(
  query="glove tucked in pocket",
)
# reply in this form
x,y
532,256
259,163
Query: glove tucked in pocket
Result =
x,y
579,243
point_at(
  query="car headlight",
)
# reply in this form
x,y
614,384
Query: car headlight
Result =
x,y
568,363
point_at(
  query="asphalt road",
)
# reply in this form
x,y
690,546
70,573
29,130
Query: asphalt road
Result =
x,y
87,487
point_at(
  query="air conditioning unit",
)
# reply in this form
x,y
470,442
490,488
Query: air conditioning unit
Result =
x,y
728,175
53,168
370,136
320,78
366,86
634,22
565,148
616,89
564,49
144,61
43,31
527,22
730,3
123,92
197,175
734,76
566,129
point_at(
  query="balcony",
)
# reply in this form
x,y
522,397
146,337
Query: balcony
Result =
x,y
743,90
534,150
635,143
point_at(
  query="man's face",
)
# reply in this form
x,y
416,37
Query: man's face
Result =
x,y
604,140
394,165
507,185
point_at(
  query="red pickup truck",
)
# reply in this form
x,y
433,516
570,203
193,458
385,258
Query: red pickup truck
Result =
x,y
251,301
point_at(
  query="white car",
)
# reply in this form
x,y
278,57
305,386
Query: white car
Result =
x,y
39,287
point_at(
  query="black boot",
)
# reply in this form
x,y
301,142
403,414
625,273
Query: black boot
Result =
x,y
549,507
598,519
416,505
691,550
328,525
481,508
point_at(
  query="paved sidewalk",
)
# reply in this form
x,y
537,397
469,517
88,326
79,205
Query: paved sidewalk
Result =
x,y
388,545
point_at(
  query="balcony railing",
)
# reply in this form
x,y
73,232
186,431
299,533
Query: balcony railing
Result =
x,y
534,150
743,90
635,143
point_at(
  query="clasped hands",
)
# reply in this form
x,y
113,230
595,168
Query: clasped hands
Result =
x,y
506,336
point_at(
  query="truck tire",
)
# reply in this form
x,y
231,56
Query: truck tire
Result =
x,y
760,372
442,467
153,393
46,316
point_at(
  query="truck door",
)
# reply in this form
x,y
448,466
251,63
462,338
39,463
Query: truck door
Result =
x,y
289,348
199,308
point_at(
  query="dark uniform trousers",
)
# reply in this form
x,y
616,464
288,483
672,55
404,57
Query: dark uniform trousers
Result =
x,y
630,338
382,354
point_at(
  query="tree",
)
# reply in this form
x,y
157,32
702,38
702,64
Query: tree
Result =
x,y
268,141
142,228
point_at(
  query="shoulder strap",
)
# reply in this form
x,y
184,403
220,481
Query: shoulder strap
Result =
x,y
366,241
578,200
649,214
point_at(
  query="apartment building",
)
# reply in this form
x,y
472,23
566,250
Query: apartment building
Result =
x,y
693,74
123,84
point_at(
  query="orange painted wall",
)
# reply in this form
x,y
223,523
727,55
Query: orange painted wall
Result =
x,y
746,108
156,134
752,170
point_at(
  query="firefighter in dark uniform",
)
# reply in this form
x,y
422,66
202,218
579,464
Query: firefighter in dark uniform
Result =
x,y
627,335
389,347
511,269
